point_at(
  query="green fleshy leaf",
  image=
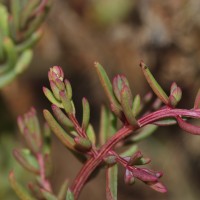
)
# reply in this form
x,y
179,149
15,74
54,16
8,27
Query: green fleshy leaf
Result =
x,y
86,113
66,102
58,130
111,182
51,97
82,144
136,108
11,52
68,88
26,160
165,122
63,190
55,90
91,134
154,84
144,133
19,190
108,88
4,21
130,151
70,195
23,61
48,195
61,117
126,98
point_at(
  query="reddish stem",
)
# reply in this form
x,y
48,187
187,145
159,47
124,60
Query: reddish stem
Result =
x,y
93,162
45,182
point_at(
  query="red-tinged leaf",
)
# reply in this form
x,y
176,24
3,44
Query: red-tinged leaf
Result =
x,y
86,113
111,182
192,129
82,144
26,160
61,117
135,157
55,90
157,186
19,190
126,102
143,175
129,179
197,100
154,84
66,102
173,87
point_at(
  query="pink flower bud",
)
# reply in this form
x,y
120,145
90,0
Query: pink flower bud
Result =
x,y
56,72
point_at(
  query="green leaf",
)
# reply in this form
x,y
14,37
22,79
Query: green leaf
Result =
x,y
154,84
19,190
23,61
111,182
91,134
126,99
82,144
4,31
144,133
86,113
48,196
108,88
61,117
16,11
66,102
51,97
70,195
26,160
130,151
68,88
58,130
136,108
63,190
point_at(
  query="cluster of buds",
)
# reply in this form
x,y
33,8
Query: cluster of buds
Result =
x,y
147,176
19,31
73,135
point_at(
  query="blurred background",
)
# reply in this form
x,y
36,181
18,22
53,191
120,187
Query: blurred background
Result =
x,y
118,34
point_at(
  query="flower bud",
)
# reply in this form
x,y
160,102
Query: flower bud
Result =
x,y
56,72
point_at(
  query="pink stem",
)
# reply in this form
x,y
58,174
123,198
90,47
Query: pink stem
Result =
x,y
45,183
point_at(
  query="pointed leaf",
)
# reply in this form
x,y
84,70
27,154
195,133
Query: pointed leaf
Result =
x,y
70,195
144,133
107,87
63,190
66,102
48,195
154,84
